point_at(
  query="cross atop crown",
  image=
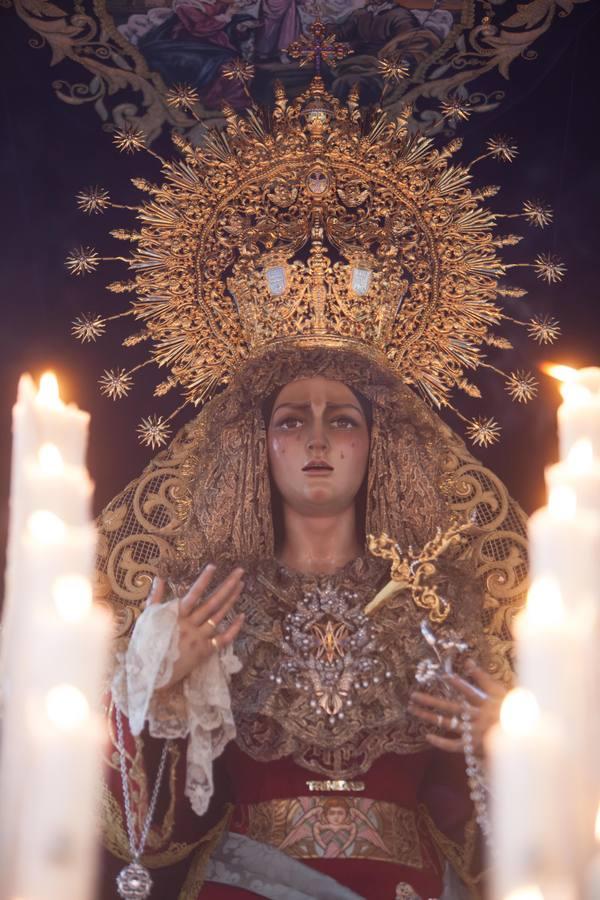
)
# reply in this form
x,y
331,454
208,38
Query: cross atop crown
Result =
x,y
320,47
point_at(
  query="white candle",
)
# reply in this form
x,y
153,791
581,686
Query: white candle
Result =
x,y
592,875
580,473
557,640
558,890
565,543
527,763
58,423
73,644
579,414
53,637
50,483
59,840
556,650
547,643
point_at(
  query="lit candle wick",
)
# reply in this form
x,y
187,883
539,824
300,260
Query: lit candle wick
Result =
x,y
48,392
559,372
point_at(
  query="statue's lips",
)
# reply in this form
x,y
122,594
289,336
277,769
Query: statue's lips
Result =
x,y
317,467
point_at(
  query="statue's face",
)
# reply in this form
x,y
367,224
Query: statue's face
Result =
x,y
318,443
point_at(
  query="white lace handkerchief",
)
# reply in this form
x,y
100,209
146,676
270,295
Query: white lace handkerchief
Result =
x,y
199,707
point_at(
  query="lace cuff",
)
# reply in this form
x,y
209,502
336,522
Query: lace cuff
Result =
x,y
199,707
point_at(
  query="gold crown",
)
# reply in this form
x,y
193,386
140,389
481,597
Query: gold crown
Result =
x,y
312,226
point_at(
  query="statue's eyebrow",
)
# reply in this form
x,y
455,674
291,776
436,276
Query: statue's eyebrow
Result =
x,y
328,405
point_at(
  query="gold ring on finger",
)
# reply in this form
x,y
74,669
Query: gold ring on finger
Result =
x,y
215,644
212,624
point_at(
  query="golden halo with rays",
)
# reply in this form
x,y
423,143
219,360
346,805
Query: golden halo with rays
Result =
x,y
317,226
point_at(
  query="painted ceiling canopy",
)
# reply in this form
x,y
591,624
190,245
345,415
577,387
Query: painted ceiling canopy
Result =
x,y
130,53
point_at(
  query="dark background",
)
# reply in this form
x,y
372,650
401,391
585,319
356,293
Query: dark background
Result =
x,y
50,150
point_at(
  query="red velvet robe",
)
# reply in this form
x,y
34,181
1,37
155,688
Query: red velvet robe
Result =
x,y
432,784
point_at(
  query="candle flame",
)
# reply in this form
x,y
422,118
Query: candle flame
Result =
x,y
581,454
50,459
519,712
48,393
560,372
544,602
46,527
527,892
562,501
72,595
67,707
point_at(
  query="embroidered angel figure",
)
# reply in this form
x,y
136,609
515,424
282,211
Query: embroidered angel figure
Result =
x,y
334,825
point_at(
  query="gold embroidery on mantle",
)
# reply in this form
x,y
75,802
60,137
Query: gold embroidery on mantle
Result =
x,y
279,712
336,828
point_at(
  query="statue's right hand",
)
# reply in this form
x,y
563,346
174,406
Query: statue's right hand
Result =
x,y
199,618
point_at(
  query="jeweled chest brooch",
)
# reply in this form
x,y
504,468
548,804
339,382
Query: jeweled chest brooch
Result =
x,y
331,650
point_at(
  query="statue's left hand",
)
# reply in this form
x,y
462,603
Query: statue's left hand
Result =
x,y
483,696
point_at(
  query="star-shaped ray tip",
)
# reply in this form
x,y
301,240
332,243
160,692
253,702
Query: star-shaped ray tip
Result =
x,y
483,432
549,267
502,148
537,213
82,261
544,329
115,383
393,70
129,138
455,108
153,432
238,70
93,200
182,96
521,386
87,327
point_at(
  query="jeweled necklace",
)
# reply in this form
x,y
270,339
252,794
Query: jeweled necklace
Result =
x,y
330,650
430,672
478,786
134,881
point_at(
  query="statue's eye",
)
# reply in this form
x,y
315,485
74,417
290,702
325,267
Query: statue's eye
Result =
x,y
289,423
344,422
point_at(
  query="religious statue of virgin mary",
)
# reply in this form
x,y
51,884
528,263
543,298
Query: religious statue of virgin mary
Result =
x,y
314,582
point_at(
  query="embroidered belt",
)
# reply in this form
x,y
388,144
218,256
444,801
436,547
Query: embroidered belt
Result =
x,y
333,828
